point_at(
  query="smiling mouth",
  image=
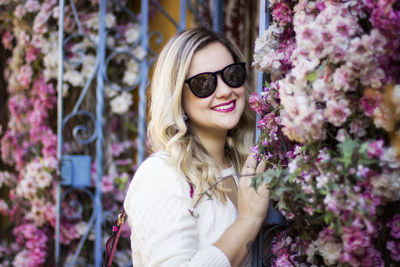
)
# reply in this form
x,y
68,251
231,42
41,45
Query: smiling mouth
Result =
x,y
225,107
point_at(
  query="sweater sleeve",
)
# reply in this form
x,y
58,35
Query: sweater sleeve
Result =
x,y
163,231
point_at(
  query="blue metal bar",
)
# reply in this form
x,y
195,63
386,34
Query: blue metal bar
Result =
x,y
127,10
78,22
195,13
59,125
143,81
264,24
182,15
165,13
101,51
218,15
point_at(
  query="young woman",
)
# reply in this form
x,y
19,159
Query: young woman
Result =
x,y
180,209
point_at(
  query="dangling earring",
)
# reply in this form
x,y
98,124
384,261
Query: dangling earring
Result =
x,y
184,117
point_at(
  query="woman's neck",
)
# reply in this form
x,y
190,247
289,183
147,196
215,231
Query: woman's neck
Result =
x,y
215,146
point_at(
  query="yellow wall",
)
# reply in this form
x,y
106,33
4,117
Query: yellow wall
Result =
x,y
161,24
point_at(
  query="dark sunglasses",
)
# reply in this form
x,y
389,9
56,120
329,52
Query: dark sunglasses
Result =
x,y
204,84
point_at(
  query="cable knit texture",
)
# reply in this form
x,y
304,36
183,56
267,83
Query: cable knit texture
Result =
x,y
163,231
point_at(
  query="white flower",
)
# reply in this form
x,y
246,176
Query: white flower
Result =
x,y
50,163
110,90
139,52
110,20
81,228
21,258
26,188
330,251
131,73
341,78
293,166
88,65
120,104
74,77
389,158
373,77
337,112
6,178
43,179
260,44
342,135
50,61
132,34
32,5
387,185
92,22
303,66
37,212
311,251
322,180
271,61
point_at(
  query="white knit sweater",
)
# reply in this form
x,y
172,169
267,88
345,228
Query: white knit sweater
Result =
x,y
164,233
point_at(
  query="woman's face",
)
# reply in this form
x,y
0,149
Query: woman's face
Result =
x,y
222,110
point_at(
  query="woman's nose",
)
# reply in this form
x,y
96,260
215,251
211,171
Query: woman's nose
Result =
x,y
223,90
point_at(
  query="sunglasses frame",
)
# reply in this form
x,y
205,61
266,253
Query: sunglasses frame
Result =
x,y
220,72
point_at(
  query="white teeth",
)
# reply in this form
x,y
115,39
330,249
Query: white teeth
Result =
x,y
224,107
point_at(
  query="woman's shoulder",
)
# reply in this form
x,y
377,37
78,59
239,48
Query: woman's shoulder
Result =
x,y
158,162
158,173
156,178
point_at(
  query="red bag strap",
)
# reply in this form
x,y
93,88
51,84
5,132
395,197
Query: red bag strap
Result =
x,y
191,189
112,242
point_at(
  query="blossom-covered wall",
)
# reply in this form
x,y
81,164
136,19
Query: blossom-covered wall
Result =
x,y
28,177
329,117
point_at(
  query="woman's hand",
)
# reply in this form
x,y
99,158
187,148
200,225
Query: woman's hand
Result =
x,y
252,209
252,204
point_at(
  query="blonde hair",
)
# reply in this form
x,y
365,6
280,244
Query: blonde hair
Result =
x,y
167,130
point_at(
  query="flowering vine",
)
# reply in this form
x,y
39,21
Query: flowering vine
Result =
x,y
28,145
329,130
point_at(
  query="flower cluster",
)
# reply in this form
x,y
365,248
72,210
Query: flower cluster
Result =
x,y
29,34
329,129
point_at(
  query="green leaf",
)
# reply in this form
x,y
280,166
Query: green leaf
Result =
x,y
348,146
312,76
328,217
305,236
295,174
367,161
347,149
364,148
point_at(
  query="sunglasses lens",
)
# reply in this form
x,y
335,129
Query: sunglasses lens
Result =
x,y
203,85
234,75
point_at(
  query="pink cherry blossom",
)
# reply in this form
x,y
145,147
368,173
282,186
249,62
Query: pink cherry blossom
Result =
x,y
6,40
394,225
337,112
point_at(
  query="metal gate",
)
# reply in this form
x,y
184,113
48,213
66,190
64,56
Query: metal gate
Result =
x,y
82,124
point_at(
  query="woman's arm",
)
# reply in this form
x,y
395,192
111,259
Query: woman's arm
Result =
x,y
163,231
252,209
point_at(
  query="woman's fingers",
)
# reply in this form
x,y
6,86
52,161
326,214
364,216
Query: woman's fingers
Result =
x,y
250,165
260,167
